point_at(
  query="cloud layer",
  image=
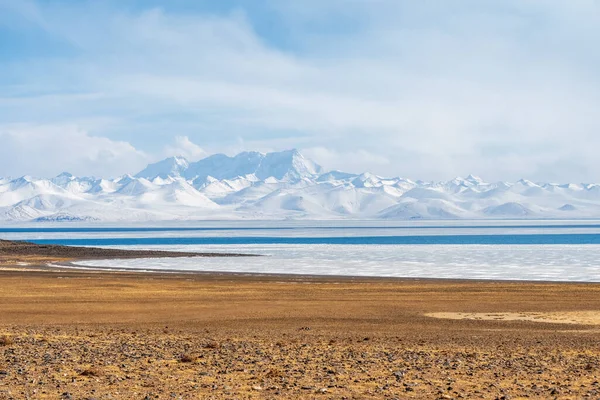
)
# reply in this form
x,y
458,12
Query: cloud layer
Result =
x,y
430,90
50,150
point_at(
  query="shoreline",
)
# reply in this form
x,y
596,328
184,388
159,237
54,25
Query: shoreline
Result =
x,y
70,266
27,253
28,256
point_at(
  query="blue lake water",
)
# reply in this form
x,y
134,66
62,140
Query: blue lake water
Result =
x,y
330,226
500,239
543,250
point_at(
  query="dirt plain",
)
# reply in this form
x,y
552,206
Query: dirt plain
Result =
x,y
68,334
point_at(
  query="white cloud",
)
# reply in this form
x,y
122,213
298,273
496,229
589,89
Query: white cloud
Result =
x,y
353,161
183,146
49,150
500,89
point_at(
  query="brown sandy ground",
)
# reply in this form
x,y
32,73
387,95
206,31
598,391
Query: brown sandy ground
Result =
x,y
24,253
77,335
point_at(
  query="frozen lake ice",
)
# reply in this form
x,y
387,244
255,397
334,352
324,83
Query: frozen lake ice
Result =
x,y
547,250
576,263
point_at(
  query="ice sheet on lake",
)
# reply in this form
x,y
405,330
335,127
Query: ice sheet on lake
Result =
x,y
524,262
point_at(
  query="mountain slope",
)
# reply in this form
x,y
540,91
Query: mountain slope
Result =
x,y
285,165
281,185
172,166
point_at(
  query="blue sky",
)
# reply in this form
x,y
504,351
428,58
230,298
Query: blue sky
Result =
x,y
421,89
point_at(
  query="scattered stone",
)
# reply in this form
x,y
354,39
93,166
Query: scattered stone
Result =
x,y
187,358
92,371
399,375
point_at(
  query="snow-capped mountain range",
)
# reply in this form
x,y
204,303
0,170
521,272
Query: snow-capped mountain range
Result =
x,y
281,185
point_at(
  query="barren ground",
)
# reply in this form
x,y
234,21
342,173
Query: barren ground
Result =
x,y
82,335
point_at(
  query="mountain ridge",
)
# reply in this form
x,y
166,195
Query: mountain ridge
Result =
x,y
282,185
287,164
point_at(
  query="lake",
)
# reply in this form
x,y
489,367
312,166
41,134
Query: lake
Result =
x,y
531,250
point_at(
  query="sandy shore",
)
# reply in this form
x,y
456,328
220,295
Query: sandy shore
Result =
x,y
78,335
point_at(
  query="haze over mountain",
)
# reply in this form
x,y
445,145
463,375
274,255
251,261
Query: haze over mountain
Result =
x,y
280,185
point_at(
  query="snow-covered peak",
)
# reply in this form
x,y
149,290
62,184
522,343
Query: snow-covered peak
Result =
x,y
23,180
65,175
474,179
172,166
63,179
284,165
101,186
134,186
527,183
458,181
469,181
367,180
124,180
289,164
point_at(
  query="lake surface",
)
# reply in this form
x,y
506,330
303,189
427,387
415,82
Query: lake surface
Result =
x,y
500,239
532,250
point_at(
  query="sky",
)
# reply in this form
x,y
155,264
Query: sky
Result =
x,y
503,89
